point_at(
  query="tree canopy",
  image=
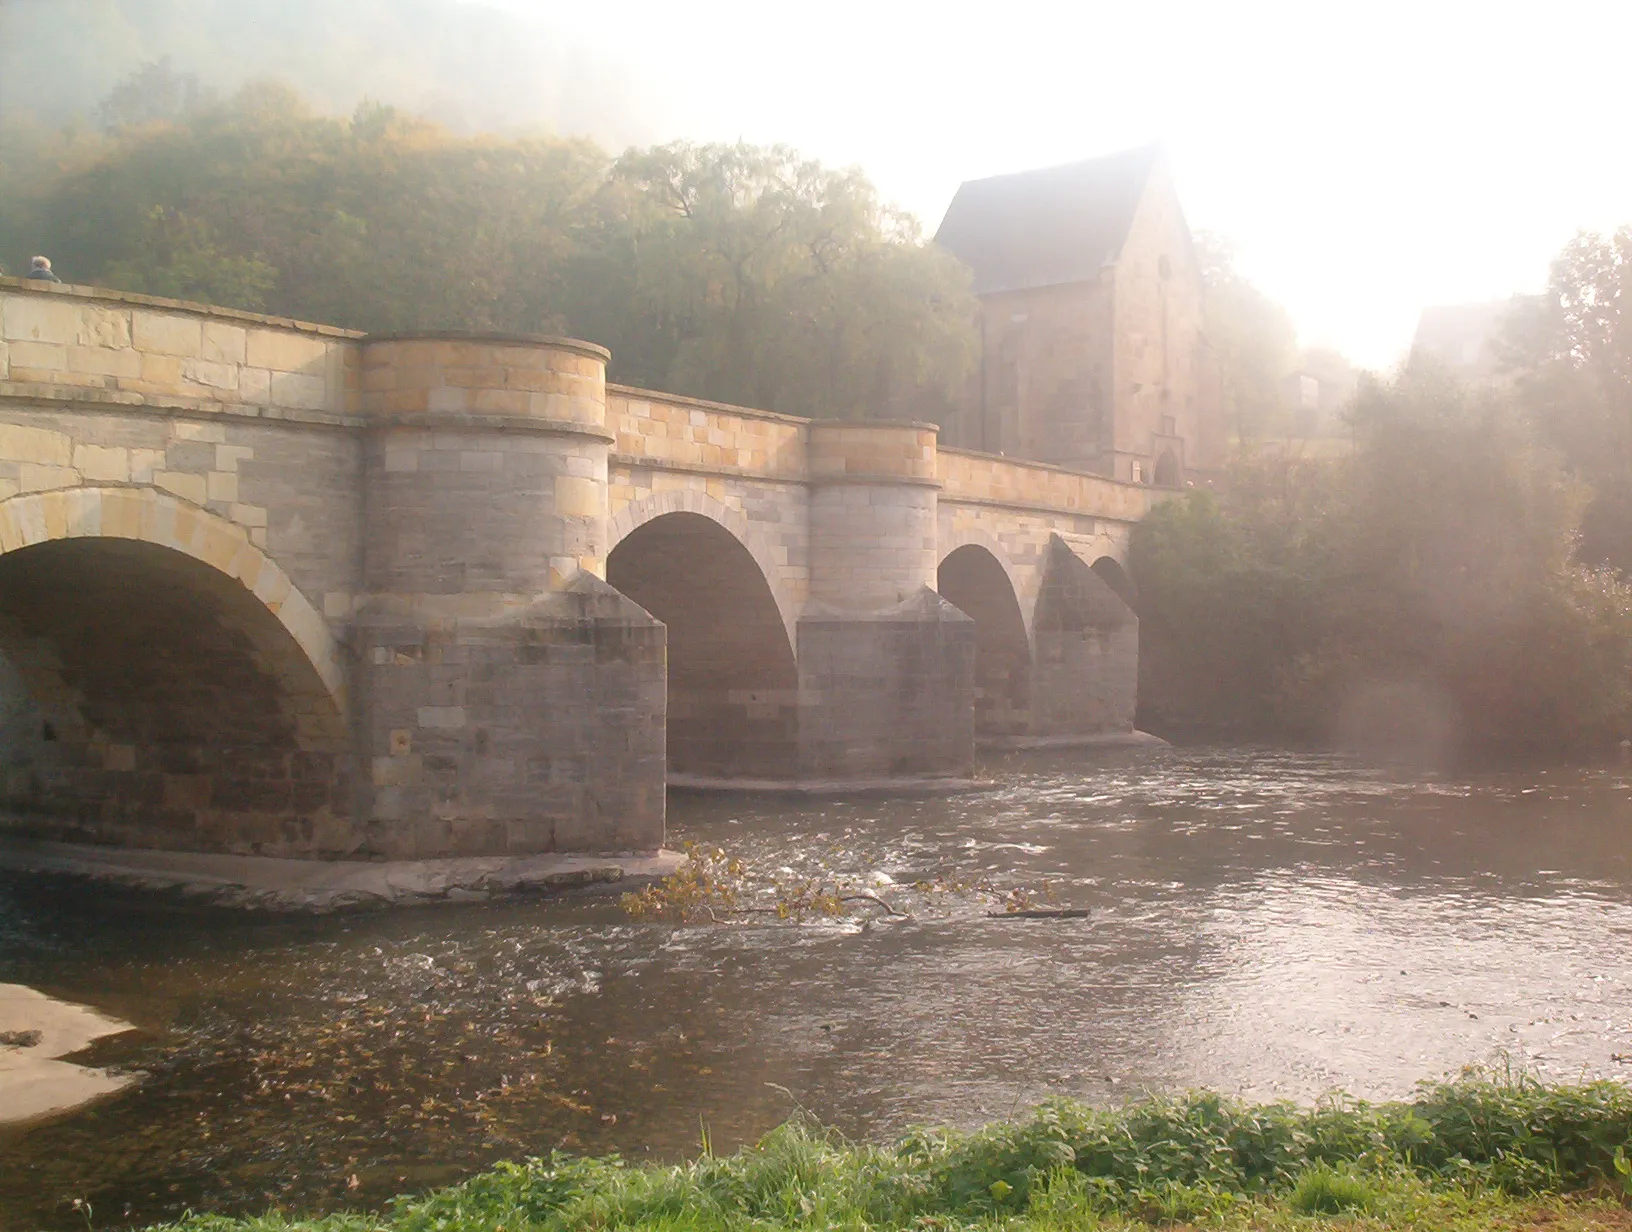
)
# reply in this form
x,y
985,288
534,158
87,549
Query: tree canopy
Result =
x,y
1569,355
1256,344
735,273
1418,591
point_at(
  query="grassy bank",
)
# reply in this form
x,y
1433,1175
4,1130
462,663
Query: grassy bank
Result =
x,y
1481,1152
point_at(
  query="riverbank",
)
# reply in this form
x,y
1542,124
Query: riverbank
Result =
x,y
1476,1153
267,884
36,1030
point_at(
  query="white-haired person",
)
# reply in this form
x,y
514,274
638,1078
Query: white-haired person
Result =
x,y
39,268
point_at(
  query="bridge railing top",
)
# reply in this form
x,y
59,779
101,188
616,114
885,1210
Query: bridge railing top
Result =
x,y
1004,459
89,344
214,311
970,475
636,394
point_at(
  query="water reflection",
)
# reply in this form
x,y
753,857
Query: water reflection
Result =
x,y
1270,924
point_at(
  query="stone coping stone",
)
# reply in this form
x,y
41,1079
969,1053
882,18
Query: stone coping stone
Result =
x,y
906,785
35,1030
591,349
1087,740
192,307
265,883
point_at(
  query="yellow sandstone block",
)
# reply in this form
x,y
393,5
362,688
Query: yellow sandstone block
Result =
x,y
188,487
299,390
579,498
210,373
255,386
222,486
122,515
166,334
19,443
97,462
105,361
43,357
284,351
36,319
164,370
224,344
34,478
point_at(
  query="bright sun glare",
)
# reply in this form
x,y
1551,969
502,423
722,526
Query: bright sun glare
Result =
x,y
1367,160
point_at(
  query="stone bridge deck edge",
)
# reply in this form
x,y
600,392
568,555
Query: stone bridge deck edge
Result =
x,y
337,460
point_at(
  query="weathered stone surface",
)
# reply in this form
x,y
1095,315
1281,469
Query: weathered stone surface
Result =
x,y
1087,641
274,588
1094,354
535,730
887,693
269,884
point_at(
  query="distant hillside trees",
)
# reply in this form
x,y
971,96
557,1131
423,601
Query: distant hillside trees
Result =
x,y
1569,353
1417,594
1254,340
727,272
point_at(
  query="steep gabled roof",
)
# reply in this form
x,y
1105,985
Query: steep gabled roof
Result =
x,y
1046,227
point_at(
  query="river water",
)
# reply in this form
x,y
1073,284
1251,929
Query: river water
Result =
x,y
1277,925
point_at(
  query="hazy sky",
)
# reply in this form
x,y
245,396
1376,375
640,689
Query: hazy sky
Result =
x,y
1366,158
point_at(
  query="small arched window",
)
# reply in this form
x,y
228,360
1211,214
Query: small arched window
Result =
x,y
1167,470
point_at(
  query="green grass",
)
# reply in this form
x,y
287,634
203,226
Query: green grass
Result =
x,y
1480,1152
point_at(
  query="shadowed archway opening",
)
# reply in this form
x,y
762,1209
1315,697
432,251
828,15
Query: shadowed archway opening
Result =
x,y
150,700
1087,639
733,687
1167,470
1110,571
972,580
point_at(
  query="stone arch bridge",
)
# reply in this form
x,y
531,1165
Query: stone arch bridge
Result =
x,y
285,589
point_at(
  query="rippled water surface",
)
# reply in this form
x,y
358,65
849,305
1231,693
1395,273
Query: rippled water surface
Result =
x,y
1276,925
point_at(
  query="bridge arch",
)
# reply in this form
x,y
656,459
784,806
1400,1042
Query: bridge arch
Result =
x,y
975,579
1111,571
638,513
732,678
149,516
163,682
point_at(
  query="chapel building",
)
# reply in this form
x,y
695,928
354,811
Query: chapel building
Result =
x,y
1093,355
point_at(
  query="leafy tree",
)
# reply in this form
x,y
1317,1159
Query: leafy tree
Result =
x,y
154,92
178,256
1570,352
750,275
726,272
1420,589
1254,339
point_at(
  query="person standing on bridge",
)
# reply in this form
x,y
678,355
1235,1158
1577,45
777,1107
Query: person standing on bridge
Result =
x,y
39,269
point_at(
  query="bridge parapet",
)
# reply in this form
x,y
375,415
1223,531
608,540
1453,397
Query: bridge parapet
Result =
x,y
438,515
125,349
991,478
667,430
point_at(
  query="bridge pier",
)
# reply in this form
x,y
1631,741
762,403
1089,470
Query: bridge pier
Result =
x,y
511,701
886,666
282,589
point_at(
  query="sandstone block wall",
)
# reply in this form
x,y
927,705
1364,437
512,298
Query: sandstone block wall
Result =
x,y
887,694
534,730
1087,651
177,353
267,586
872,513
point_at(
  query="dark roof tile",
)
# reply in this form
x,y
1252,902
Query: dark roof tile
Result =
x,y
1046,227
